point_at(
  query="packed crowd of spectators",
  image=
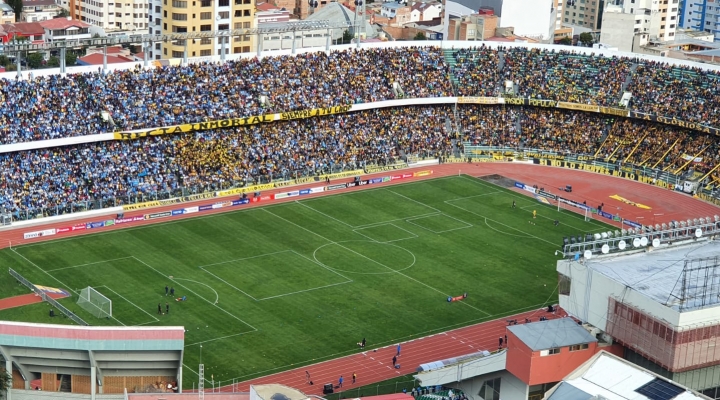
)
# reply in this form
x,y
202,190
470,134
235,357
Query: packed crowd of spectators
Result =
x,y
54,106
49,107
71,178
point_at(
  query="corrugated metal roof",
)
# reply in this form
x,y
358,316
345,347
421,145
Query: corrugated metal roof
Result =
x,y
567,391
544,335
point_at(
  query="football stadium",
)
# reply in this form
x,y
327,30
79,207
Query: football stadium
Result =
x,y
453,221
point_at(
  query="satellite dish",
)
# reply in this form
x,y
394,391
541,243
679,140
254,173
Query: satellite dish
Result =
x,y
656,242
605,249
643,241
698,232
622,245
588,254
636,242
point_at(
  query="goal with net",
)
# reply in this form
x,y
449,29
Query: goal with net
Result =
x,y
95,303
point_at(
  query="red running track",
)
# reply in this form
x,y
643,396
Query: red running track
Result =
x,y
25,299
375,366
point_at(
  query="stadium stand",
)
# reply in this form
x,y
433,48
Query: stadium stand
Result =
x,y
48,181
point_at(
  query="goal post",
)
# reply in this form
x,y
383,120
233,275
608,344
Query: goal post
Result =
x,y
95,303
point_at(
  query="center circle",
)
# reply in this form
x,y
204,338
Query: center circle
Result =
x,y
364,257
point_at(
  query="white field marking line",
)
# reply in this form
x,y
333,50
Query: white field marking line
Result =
x,y
215,339
428,333
217,296
224,213
507,226
472,197
321,213
370,259
393,220
467,224
136,306
387,241
413,200
347,280
244,258
526,208
517,195
254,329
38,267
85,265
229,284
525,235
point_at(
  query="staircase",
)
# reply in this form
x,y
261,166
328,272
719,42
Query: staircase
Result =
x,y
449,56
65,384
501,60
628,79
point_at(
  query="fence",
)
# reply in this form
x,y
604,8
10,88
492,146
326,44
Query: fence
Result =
x,y
48,299
373,390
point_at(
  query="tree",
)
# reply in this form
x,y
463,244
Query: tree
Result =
x,y
4,382
53,62
70,58
586,38
4,60
566,41
63,13
17,7
35,60
347,37
420,36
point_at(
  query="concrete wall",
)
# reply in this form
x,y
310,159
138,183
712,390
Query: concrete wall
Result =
x,y
617,30
533,19
511,388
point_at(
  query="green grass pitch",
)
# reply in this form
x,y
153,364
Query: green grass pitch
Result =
x,y
284,285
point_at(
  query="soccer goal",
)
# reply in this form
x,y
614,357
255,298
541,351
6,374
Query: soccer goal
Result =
x,y
95,303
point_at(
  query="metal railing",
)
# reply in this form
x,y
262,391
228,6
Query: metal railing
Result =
x,y
47,298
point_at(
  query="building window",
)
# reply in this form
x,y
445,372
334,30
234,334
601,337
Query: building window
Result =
x,y
206,41
246,13
579,347
205,15
157,46
179,17
205,53
490,389
224,14
550,352
179,4
205,28
177,54
246,25
224,27
206,3
223,3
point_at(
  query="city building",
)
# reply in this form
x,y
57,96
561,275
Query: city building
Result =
x,y
583,15
63,29
701,15
534,19
619,31
39,10
181,16
425,11
534,356
659,18
606,376
33,31
7,15
660,300
267,13
472,27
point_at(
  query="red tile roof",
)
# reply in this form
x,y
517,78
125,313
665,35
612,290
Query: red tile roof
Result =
x,y
97,59
265,7
24,28
62,23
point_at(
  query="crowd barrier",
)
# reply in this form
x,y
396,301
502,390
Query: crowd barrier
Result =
x,y
99,225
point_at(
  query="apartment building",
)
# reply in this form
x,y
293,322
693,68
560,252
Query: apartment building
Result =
x,y
658,18
181,16
701,15
583,15
110,15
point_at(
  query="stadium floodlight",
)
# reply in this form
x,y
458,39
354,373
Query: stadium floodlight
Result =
x,y
95,303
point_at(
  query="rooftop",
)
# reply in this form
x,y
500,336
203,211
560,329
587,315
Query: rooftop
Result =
x,y
38,3
606,376
276,391
544,335
393,5
658,274
62,23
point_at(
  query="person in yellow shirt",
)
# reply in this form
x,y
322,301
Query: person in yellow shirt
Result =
x,y
534,214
